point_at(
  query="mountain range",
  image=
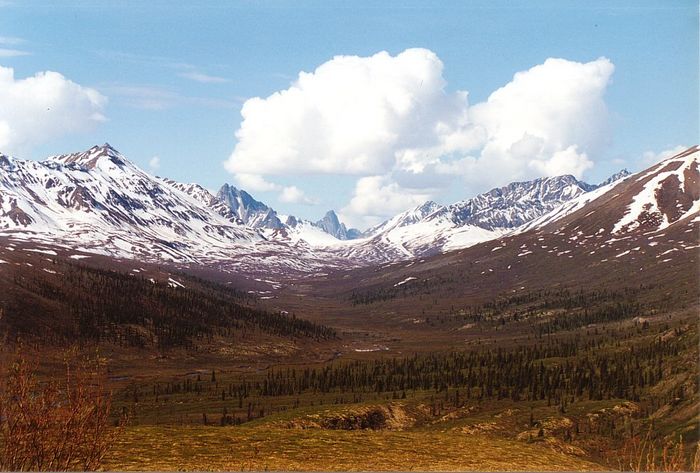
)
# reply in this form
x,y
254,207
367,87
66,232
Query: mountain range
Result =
x,y
98,201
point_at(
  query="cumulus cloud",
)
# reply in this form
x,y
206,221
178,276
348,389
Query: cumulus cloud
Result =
x,y
556,100
390,121
566,161
352,115
255,182
44,106
376,198
294,195
287,194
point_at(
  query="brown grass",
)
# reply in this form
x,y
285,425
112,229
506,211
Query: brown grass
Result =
x,y
264,447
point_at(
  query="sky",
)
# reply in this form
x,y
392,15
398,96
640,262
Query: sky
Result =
x,y
368,108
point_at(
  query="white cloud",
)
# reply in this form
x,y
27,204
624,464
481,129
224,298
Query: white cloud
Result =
x,y
44,106
390,121
154,163
557,101
377,198
548,118
294,195
12,52
288,195
352,115
651,157
6,52
255,183
202,78
567,161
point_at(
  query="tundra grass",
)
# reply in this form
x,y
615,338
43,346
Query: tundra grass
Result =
x,y
267,448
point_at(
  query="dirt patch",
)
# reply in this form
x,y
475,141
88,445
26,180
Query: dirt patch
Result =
x,y
389,417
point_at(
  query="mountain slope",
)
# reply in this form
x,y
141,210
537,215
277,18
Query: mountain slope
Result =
x,y
98,201
644,230
430,228
516,203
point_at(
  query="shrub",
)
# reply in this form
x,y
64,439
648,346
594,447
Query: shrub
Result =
x,y
59,424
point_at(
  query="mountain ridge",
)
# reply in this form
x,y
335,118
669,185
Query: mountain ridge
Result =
x,y
97,200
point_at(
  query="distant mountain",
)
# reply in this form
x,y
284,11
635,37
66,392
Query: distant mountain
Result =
x,y
516,203
248,210
615,177
331,225
431,228
256,214
98,201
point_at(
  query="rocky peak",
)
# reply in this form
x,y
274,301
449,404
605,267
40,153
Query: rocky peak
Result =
x,y
250,211
331,225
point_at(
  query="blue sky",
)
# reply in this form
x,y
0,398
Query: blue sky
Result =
x,y
175,79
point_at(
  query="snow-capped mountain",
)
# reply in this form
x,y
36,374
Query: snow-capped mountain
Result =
x,y
643,230
431,228
97,201
99,188
648,202
663,195
256,214
516,203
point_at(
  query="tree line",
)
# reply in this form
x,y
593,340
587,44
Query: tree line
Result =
x,y
89,304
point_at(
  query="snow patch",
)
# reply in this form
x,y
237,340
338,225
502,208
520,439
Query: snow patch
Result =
x,y
410,278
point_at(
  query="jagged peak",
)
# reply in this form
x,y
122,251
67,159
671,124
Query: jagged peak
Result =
x,y
621,174
331,216
227,193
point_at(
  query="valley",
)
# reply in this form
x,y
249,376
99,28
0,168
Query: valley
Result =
x,y
566,342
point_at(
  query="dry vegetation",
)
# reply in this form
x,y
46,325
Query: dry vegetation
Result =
x,y
267,448
55,425
646,453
